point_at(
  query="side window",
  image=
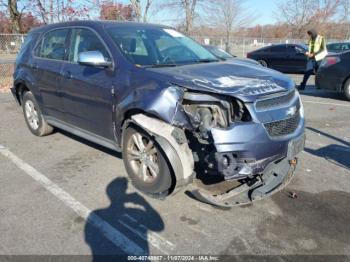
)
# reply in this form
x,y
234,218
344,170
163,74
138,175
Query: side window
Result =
x,y
53,46
345,47
278,49
265,50
295,49
133,45
335,46
84,40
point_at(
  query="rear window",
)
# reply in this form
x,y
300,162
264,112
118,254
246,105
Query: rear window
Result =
x,y
53,45
27,44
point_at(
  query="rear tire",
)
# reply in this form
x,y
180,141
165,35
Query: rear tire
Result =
x,y
33,116
146,163
346,89
263,63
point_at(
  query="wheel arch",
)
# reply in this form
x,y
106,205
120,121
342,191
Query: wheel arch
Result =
x,y
346,79
20,88
179,156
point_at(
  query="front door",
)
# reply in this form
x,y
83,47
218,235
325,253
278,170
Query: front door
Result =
x,y
87,90
297,59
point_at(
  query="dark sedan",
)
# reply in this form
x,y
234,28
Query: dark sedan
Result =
x,y
334,73
224,56
286,58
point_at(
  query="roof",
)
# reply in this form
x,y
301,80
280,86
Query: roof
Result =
x,y
94,23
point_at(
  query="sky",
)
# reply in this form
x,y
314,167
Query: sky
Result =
x,y
264,10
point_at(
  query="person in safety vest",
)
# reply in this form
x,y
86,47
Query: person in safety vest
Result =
x,y
317,51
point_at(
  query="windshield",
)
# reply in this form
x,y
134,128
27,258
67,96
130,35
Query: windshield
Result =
x,y
219,53
158,46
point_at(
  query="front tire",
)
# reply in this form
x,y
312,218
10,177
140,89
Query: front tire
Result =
x,y
33,116
346,89
146,163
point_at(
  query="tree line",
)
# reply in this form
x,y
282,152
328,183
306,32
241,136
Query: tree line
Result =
x,y
225,18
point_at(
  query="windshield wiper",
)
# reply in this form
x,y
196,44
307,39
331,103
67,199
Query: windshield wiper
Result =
x,y
207,60
160,65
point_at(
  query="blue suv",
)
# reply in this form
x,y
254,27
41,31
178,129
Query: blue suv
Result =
x,y
181,117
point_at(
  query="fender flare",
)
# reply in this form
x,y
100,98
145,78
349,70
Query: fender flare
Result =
x,y
177,150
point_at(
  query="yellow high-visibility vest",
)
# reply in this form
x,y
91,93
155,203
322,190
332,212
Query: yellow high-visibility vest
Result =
x,y
318,43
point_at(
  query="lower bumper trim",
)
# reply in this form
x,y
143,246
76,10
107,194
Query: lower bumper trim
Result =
x,y
275,178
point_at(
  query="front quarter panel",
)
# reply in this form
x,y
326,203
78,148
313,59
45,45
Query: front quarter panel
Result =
x,y
142,94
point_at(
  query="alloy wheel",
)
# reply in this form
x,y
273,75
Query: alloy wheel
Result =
x,y
143,157
32,115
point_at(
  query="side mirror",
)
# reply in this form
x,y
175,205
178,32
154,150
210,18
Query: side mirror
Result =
x,y
93,58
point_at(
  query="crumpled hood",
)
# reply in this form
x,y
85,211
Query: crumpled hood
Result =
x,y
236,78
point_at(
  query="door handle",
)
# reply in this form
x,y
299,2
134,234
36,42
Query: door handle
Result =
x,y
35,66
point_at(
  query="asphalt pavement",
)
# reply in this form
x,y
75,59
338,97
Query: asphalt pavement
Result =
x,y
62,195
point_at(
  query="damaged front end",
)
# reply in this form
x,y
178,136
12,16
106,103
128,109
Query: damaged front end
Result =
x,y
234,152
251,146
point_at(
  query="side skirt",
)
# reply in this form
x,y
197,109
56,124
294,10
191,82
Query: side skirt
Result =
x,y
83,133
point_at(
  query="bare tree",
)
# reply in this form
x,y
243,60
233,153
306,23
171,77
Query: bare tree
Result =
x,y
51,11
41,11
230,15
300,15
190,7
14,14
185,7
345,7
141,15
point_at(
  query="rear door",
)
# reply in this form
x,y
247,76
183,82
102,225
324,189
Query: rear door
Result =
x,y
278,58
87,90
49,57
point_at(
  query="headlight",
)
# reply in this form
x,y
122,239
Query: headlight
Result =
x,y
207,115
207,111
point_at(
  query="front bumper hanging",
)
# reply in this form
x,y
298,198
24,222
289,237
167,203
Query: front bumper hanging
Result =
x,y
275,177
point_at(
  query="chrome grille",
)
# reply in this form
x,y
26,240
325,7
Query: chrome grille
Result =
x,y
283,127
275,101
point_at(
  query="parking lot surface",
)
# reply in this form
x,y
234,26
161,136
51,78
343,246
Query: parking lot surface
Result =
x,y
62,195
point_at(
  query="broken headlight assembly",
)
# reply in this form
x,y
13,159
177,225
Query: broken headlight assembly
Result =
x,y
205,112
208,111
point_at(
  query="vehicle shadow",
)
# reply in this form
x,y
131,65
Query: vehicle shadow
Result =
x,y
346,143
334,153
90,144
129,215
313,92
